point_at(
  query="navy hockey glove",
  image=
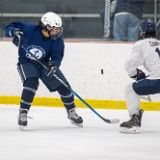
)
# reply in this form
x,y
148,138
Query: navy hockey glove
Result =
x,y
52,68
17,37
140,75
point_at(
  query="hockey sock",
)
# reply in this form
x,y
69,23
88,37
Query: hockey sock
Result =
x,y
66,97
132,100
30,87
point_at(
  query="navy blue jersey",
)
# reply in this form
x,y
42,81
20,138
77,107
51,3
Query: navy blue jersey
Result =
x,y
44,49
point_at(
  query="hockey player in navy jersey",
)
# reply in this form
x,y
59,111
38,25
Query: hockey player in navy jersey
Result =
x,y
44,42
145,52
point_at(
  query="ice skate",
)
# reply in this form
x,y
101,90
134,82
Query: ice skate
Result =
x,y
22,118
133,125
74,118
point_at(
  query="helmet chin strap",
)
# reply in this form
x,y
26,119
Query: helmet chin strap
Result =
x,y
51,36
49,32
43,27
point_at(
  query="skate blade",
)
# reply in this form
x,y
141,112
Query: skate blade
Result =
x,y
21,127
133,130
78,125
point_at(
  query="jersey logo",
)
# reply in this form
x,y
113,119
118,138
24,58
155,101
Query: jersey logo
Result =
x,y
37,51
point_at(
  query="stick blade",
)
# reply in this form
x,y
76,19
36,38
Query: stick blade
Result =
x,y
116,120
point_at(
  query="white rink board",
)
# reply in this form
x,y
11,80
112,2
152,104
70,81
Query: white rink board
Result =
x,y
82,65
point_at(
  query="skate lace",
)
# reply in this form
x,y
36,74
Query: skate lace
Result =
x,y
134,119
23,117
73,115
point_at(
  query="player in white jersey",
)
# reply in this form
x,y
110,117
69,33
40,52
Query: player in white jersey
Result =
x,y
145,52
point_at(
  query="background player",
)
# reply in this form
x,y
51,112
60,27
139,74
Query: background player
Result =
x,y
145,52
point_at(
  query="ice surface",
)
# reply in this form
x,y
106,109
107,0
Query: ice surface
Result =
x,y
50,136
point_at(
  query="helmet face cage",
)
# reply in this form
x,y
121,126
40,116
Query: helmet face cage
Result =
x,y
49,29
51,20
146,26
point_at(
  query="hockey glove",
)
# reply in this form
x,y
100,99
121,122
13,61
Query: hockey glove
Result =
x,y
17,37
140,75
52,68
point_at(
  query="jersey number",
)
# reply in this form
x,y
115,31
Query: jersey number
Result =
x,y
158,51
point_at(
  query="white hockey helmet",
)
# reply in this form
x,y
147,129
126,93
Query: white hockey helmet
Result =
x,y
51,20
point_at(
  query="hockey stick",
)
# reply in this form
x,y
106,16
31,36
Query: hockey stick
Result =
x,y
148,98
73,92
